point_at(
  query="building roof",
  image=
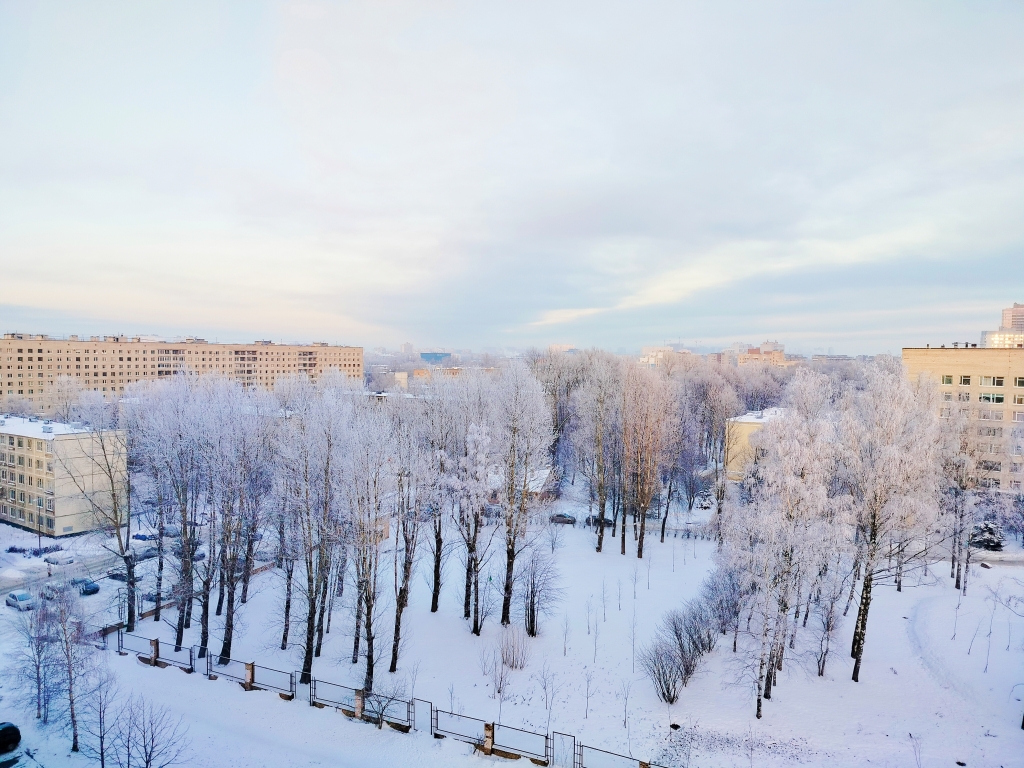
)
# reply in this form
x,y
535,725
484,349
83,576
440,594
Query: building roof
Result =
x,y
37,429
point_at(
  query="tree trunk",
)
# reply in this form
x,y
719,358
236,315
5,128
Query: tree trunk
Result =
x,y
643,531
861,629
435,592
289,569
506,600
129,569
307,651
359,623
229,624
370,655
320,616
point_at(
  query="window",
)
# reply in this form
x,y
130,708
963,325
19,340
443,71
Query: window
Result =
x,y
990,431
990,466
1018,399
989,482
964,397
991,381
1015,485
990,415
944,413
991,397
1019,381
1016,468
965,381
947,396
1018,416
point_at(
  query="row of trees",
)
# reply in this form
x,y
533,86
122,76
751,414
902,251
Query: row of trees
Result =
x,y
859,482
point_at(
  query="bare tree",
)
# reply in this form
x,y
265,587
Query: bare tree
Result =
x,y
99,719
73,654
539,590
149,737
384,699
35,657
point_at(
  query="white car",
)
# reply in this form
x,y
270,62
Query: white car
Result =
x,y
21,600
59,558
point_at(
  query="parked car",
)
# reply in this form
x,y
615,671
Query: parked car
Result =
x,y
146,554
149,597
59,558
144,536
21,600
592,521
10,737
117,574
561,518
85,586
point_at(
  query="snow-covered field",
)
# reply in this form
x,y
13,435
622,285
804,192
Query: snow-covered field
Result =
x,y
941,671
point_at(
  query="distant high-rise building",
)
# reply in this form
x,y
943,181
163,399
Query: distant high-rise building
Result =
x,y
1011,331
1013,318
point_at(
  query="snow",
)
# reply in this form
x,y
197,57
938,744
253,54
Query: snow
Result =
x,y
960,695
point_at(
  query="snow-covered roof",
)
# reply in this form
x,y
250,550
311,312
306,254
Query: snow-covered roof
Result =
x,y
38,429
760,417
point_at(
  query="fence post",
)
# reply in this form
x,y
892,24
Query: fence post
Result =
x,y
120,642
250,675
359,704
154,649
192,659
488,738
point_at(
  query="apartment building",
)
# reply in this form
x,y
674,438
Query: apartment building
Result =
x,y
987,386
46,470
33,365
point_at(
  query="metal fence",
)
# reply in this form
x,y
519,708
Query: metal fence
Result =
x,y
556,749
273,679
332,695
184,658
459,727
127,642
389,709
525,743
231,669
592,757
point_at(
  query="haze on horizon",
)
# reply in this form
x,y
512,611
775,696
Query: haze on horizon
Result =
x,y
484,175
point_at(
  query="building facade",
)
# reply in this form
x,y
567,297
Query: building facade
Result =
x,y
33,365
739,451
987,387
48,473
1011,330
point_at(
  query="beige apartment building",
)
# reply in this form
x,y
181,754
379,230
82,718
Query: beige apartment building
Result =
x,y
32,365
987,386
46,472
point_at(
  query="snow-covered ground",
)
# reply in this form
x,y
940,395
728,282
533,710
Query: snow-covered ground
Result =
x,y
947,670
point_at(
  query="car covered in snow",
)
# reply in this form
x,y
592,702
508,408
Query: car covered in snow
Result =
x,y
59,558
21,600
117,574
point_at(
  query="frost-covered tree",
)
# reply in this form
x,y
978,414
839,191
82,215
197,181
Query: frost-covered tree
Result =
x,y
522,435
890,467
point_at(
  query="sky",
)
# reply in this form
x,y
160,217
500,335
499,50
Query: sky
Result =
x,y
845,177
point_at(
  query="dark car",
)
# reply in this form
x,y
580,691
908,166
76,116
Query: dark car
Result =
x,y
197,557
144,537
147,554
117,574
592,521
149,597
85,586
10,737
560,518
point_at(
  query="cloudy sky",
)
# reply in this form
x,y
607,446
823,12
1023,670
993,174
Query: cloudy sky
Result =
x,y
844,176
